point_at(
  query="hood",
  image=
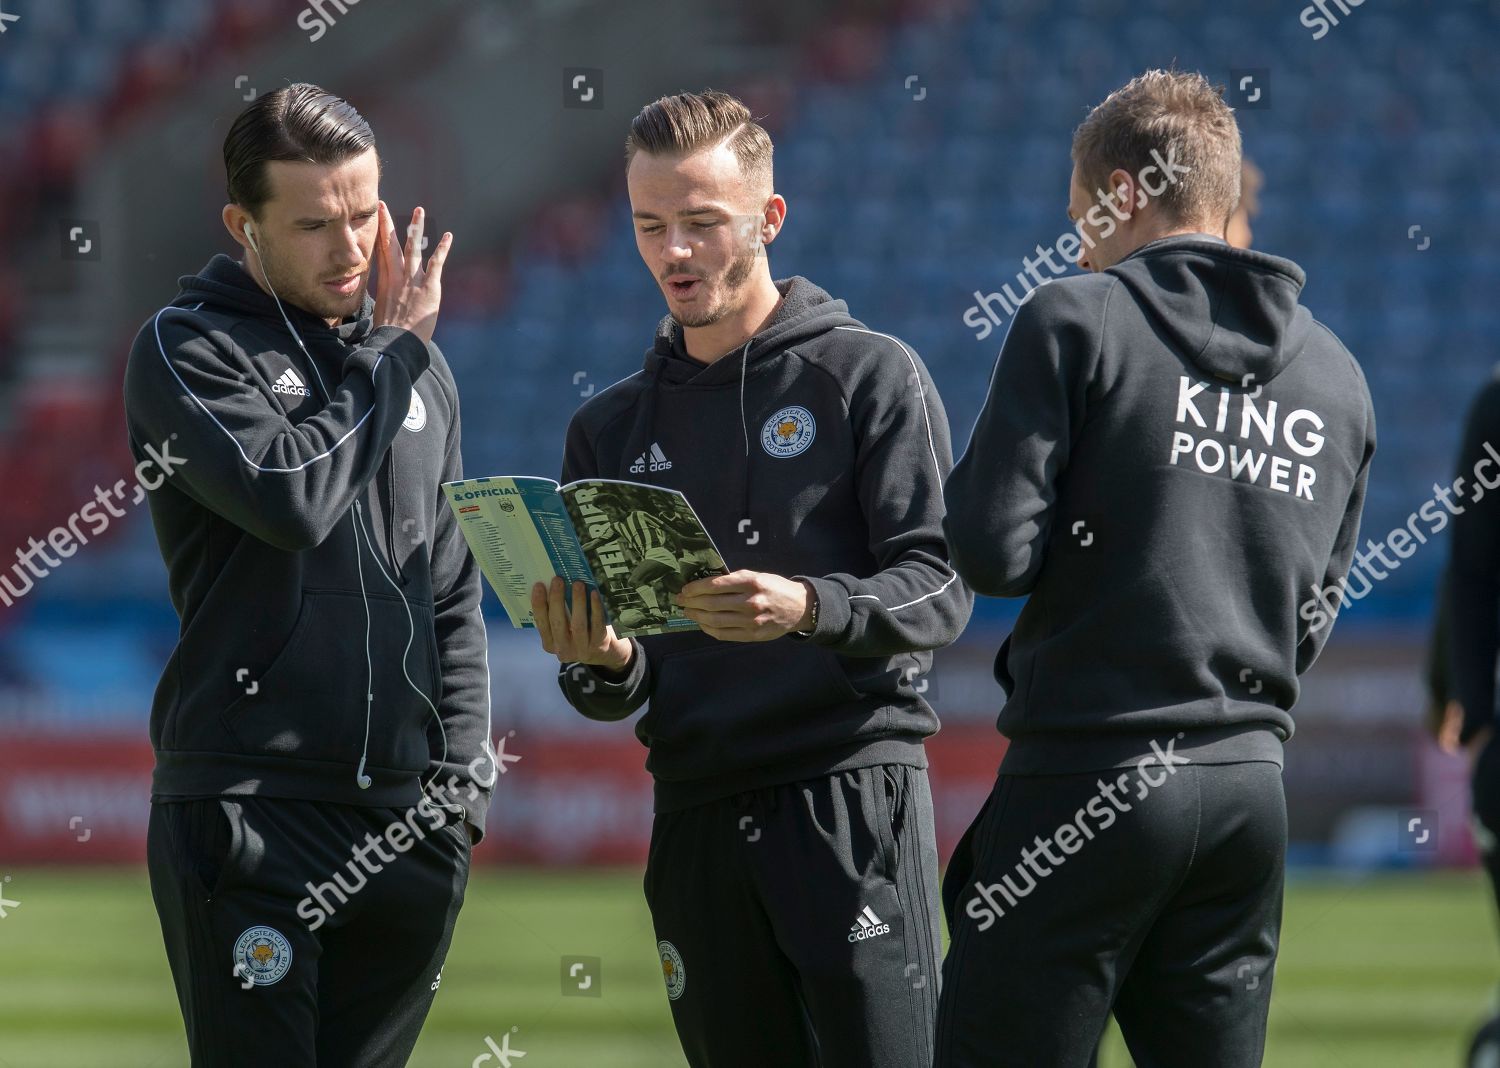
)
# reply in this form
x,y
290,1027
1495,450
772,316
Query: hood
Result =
x,y
1232,312
806,311
223,283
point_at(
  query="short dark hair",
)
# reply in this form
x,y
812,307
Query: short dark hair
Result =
x,y
296,122
1172,111
685,122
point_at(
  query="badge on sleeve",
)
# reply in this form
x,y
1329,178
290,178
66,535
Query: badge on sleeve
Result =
x,y
416,413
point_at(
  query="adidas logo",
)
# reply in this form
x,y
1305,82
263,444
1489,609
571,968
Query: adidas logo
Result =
x,y
659,461
290,384
868,925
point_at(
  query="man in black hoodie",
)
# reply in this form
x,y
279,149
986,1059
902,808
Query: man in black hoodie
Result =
x,y
1466,640
331,661
1171,463
792,876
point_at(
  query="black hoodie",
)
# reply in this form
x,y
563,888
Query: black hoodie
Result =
x,y
817,450
1171,458
1468,603
311,556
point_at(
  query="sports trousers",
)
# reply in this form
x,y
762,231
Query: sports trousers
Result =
x,y
798,924
266,970
1168,913
1485,809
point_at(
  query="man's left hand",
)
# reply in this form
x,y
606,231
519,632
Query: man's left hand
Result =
x,y
747,606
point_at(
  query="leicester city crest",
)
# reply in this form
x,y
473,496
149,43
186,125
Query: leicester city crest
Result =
x,y
789,432
416,412
262,955
672,970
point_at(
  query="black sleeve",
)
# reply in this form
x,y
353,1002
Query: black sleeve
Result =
x,y
1003,492
286,484
596,694
914,601
1344,545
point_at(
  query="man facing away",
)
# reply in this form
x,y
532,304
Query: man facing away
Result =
x,y
1171,463
792,877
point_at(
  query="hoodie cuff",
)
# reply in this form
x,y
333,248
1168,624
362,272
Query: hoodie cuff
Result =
x,y
396,342
475,811
833,611
462,798
586,678
614,683
1473,725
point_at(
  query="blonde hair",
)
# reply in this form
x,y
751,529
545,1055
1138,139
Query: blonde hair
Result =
x,y
1182,117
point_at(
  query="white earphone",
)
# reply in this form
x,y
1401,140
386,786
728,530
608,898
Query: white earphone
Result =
x,y
361,777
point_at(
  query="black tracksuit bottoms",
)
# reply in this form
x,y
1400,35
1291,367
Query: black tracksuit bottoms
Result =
x,y
264,972
798,924
1485,809
1169,914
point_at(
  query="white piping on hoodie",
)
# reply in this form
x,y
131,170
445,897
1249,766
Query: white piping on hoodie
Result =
x,y
936,468
156,326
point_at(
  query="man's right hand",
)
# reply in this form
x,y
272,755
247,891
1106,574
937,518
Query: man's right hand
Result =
x,y
406,295
580,636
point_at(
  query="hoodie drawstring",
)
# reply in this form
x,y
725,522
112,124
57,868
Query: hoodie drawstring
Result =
x,y
745,430
650,437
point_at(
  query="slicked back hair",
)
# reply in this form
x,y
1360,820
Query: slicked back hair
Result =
x,y
296,122
686,122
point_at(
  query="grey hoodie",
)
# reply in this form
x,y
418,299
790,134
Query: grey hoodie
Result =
x,y
818,450
1171,462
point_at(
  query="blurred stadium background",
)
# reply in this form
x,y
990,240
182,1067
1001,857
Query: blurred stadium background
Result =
x,y
923,148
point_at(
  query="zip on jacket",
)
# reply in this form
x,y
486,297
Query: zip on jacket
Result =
x,y
331,645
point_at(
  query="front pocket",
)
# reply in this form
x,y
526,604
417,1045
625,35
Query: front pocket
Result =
x,y
894,810
209,842
310,703
742,704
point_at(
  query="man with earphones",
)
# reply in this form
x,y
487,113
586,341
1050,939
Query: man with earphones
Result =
x,y
331,660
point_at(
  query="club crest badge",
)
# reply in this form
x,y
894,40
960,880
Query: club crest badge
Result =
x,y
672,970
789,432
416,413
262,955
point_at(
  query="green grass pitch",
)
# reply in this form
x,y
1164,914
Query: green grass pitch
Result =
x,y
1374,973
